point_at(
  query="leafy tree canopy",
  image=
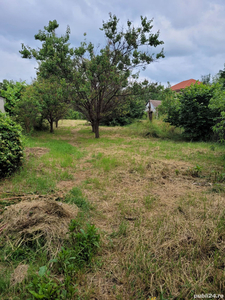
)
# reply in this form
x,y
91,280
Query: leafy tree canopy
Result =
x,y
12,93
5,83
54,57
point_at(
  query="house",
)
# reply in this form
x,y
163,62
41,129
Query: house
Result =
x,y
154,104
182,85
151,108
2,104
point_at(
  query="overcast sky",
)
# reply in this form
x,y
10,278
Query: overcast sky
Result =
x,y
192,31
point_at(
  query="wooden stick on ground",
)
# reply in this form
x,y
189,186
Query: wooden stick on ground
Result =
x,y
12,198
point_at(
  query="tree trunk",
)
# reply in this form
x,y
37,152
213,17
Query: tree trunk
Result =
x,y
97,130
150,116
51,126
150,112
56,123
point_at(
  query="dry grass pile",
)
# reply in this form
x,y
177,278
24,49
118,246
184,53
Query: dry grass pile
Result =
x,y
19,274
28,222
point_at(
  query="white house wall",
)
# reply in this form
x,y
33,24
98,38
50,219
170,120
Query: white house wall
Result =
x,y
2,104
152,107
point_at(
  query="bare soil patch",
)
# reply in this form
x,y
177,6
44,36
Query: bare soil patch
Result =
x,y
65,185
36,151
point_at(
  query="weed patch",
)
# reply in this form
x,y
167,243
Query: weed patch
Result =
x,y
75,196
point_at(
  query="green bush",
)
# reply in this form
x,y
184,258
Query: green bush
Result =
x,y
156,129
11,149
12,94
217,104
73,115
193,113
132,110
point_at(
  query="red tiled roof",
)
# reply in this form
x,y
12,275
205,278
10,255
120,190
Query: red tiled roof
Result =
x,y
184,84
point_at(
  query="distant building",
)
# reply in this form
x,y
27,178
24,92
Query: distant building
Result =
x,y
2,104
154,104
182,85
152,109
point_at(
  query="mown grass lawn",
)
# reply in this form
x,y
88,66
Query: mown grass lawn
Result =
x,y
158,205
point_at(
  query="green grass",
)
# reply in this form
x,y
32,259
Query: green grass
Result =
x,y
41,174
75,196
159,204
107,163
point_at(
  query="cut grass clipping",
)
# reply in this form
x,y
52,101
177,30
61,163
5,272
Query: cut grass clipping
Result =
x,y
39,221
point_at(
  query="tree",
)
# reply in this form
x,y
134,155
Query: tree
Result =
x,y
221,77
28,109
47,96
100,78
206,79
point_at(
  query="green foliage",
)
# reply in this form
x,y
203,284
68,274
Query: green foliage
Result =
x,y
51,94
80,249
11,147
133,109
28,110
54,57
86,242
45,99
46,287
78,252
156,129
217,104
73,115
5,83
172,112
12,93
169,105
193,113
